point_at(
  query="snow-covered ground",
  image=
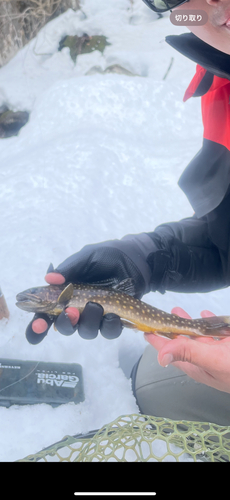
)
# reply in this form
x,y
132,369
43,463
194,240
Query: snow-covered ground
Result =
x,y
99,158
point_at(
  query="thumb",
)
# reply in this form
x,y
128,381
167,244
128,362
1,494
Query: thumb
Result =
x,y
187,350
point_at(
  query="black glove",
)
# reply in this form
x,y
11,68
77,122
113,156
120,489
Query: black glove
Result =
x,y
111,262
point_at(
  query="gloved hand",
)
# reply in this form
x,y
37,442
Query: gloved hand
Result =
x,y
110,261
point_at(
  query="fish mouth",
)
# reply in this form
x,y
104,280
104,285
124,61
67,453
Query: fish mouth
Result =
x,y
26,296
29,302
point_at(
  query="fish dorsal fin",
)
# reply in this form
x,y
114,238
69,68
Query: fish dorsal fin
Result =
x,y
66,294
126,286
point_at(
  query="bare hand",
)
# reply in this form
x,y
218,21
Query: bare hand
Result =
x,y
205,360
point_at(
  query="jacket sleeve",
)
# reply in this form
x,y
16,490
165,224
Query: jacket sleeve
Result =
x,y
185,259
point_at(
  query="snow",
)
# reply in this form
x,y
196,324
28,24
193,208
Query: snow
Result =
x,y
99,158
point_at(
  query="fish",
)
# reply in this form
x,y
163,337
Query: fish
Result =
x,y
119,299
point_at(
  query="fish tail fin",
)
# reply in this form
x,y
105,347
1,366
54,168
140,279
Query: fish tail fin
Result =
x,y
217,326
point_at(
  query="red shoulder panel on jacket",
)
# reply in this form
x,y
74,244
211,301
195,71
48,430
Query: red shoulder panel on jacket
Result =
x,y
215,105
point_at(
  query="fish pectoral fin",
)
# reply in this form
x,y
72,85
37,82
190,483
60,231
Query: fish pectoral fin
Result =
x,y
66,294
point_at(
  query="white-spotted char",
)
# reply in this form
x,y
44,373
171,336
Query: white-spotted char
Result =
x,y
134,313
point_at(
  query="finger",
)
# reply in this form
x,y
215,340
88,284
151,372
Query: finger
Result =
x,y
32,337
226,339
206,314
155,340
206,340
42,324
73,315
111,327
192,371
39,325
54,279
63,324
211,340
187,350
90,320
180,312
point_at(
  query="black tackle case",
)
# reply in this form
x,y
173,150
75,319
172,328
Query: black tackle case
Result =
x,y
34,382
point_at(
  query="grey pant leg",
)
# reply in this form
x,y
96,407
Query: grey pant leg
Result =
x,y
168,392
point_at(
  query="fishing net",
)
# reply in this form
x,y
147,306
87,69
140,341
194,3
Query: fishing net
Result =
x,y
141,438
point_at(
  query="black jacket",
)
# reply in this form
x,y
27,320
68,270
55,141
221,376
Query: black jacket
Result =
x,y
194,253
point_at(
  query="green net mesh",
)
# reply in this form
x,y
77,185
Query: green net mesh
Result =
x,y
141,438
